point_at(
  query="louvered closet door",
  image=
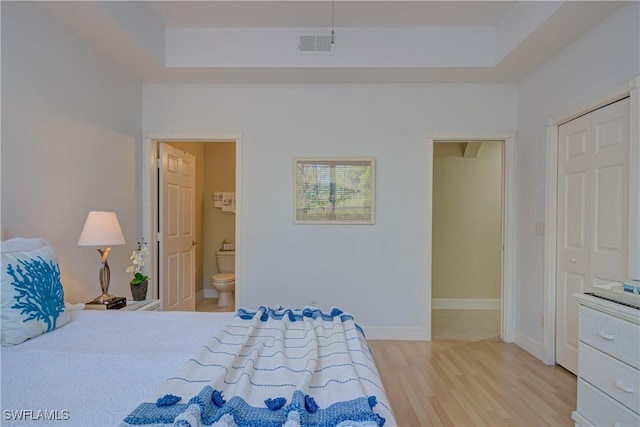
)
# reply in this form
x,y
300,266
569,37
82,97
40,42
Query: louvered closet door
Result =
x,y
593,209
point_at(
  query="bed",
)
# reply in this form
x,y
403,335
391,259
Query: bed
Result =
x,y
95,369
98,369
272,366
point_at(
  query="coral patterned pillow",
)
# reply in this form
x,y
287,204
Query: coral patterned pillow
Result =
x,y
31,295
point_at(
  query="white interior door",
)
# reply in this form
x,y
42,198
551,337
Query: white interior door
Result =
x,y
610,227
592,229
177,229
574,160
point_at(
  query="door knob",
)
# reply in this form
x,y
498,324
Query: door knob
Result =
x,y
573,260
193,243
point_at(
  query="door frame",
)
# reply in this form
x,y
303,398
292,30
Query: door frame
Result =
x,y
631,90
149,184
507,294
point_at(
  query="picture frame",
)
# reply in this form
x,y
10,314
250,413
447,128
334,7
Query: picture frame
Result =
x,y
334,191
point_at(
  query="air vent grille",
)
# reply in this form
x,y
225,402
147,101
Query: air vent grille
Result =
x,y
315,43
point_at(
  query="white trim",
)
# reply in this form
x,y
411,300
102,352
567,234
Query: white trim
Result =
x,y
428,237
395,333
549,269
206,293
194,137
529,345
209,293
465,304
507,316
149,199
551,182
471,136
610,97
634,180
238,296
150,191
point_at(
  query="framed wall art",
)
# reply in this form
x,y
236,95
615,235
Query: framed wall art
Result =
x,y
334,191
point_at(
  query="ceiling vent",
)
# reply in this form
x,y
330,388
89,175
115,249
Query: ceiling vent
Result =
x,y
315,44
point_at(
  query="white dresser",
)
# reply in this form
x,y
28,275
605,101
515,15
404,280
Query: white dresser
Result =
x,y
608,364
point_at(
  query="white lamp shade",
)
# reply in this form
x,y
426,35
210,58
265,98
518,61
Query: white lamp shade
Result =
x,y
101,229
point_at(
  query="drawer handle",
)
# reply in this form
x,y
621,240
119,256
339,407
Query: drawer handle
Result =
x,y
625,388
607,336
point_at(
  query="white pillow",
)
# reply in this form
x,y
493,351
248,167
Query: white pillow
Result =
x,y
31,295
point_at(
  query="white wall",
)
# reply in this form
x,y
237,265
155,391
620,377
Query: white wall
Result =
x,y
604,59
70,138
70,144
374,271
355,47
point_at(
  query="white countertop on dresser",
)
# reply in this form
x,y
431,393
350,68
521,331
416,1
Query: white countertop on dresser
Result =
x,y
621,311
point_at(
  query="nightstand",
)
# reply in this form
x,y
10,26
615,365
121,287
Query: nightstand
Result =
x,y
144,305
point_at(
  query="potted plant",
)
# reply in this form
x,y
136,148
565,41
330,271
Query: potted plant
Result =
x,y
140,282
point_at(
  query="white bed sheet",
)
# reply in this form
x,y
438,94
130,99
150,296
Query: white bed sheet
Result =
x,y
97,368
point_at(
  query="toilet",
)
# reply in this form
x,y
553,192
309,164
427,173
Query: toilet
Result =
x,y
225,281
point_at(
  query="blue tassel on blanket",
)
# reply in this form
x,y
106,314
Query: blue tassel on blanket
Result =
x,y
217,399
167,400
275,404
336,312
310,404
372,401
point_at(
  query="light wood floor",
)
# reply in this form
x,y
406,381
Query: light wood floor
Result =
x,y
472,383
211,304
466,383
464,324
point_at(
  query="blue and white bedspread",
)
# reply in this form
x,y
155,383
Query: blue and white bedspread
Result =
x,y
275,367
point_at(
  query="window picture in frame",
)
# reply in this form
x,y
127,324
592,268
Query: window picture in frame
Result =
x,y
334,191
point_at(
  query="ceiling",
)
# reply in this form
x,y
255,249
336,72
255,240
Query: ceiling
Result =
x,y
269,14
376,41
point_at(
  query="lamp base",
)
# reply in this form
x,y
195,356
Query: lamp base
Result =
x,y
105,299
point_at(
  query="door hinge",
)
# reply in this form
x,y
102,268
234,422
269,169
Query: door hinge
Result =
x,y
158,163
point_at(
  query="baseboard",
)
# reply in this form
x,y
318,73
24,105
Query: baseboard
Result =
x,y
465,303
530,346
395,333
209,293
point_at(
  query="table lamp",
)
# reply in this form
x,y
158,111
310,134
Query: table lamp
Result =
x,y
102,229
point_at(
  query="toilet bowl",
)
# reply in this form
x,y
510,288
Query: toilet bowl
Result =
x,y
225,284
225,281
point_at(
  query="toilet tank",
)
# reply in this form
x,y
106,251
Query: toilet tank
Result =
x,y
226,261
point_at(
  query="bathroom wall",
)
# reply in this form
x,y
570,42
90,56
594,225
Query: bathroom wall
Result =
x,y
219,175
198,150
466,222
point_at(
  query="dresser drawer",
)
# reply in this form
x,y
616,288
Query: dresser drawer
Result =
x,y
617,379
601,410
613,336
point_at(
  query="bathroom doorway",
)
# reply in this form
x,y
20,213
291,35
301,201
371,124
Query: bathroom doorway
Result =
x,y
471,234
217,170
